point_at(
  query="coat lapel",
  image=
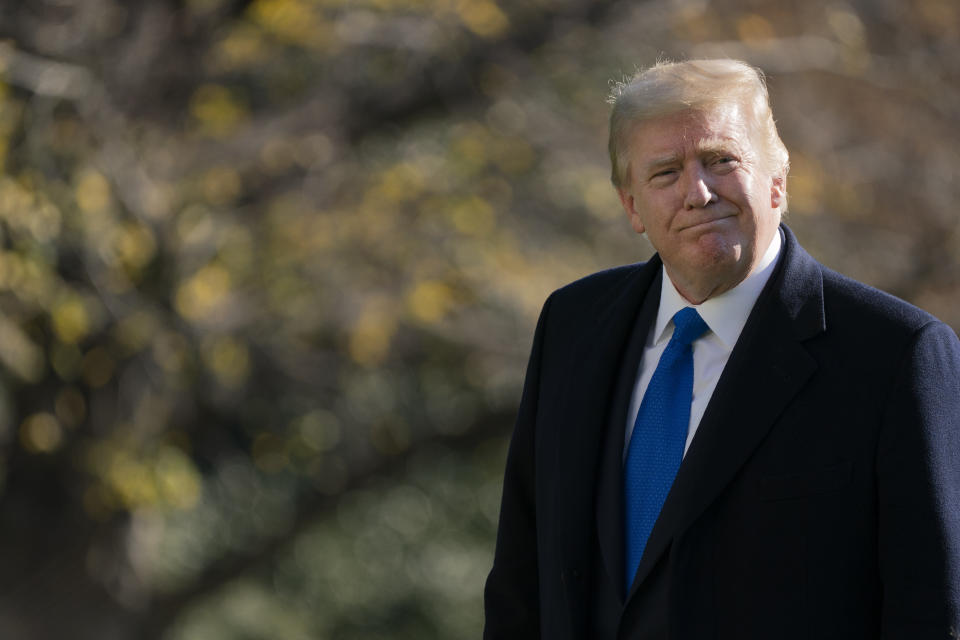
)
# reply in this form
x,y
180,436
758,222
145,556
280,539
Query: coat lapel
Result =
x,y
585,406
610,480
767,367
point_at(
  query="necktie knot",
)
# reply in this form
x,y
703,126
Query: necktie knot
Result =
x,y
688,326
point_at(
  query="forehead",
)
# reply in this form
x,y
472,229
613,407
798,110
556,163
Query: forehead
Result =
x,y
687,131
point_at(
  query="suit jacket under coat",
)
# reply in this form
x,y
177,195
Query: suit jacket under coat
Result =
x,y
820,497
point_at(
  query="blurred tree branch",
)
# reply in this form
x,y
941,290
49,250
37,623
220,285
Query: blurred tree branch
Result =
x,y
165,609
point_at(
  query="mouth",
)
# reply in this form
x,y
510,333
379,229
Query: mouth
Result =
x,y
708,222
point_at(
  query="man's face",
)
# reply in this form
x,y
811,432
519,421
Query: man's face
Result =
x,y
696,186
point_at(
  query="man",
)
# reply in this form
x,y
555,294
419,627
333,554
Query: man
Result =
x,y
729,440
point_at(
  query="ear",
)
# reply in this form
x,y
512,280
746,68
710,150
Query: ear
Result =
x,y
778,191
626,199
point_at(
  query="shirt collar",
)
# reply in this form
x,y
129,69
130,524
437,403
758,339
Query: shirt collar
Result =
x,y
727,313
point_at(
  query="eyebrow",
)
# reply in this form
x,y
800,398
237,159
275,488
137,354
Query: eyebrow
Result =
x,y
718,145
713,145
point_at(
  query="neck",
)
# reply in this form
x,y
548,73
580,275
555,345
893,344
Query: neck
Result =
x,y
698,292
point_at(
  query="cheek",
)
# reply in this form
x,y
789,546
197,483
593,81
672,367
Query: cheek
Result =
x,y
658,211
754,193
744,184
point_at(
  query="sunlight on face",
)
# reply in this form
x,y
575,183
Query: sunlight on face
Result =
x,y
697,190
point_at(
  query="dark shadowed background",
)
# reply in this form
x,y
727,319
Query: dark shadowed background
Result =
x,y
269,271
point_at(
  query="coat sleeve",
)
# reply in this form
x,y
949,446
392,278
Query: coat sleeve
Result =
x,y
511,597
918,480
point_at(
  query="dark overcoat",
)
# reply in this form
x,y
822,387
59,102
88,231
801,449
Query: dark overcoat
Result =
x,y
820,497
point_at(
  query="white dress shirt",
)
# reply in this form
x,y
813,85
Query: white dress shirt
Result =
x,y
725,315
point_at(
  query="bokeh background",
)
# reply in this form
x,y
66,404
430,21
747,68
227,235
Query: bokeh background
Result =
x,y
269,271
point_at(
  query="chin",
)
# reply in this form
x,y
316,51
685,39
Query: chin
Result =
x,y
725,264
719,249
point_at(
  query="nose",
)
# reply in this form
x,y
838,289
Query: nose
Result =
x,y
698,189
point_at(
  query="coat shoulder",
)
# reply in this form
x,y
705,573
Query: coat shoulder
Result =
x,y
875,311
602,284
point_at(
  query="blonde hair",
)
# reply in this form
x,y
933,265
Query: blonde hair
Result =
x,y
699,85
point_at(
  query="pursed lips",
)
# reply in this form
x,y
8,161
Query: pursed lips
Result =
x,y
706,221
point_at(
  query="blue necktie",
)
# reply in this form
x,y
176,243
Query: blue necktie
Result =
x,y
658,438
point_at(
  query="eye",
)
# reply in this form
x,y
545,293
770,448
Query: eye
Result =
x,y
664,174
724,162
